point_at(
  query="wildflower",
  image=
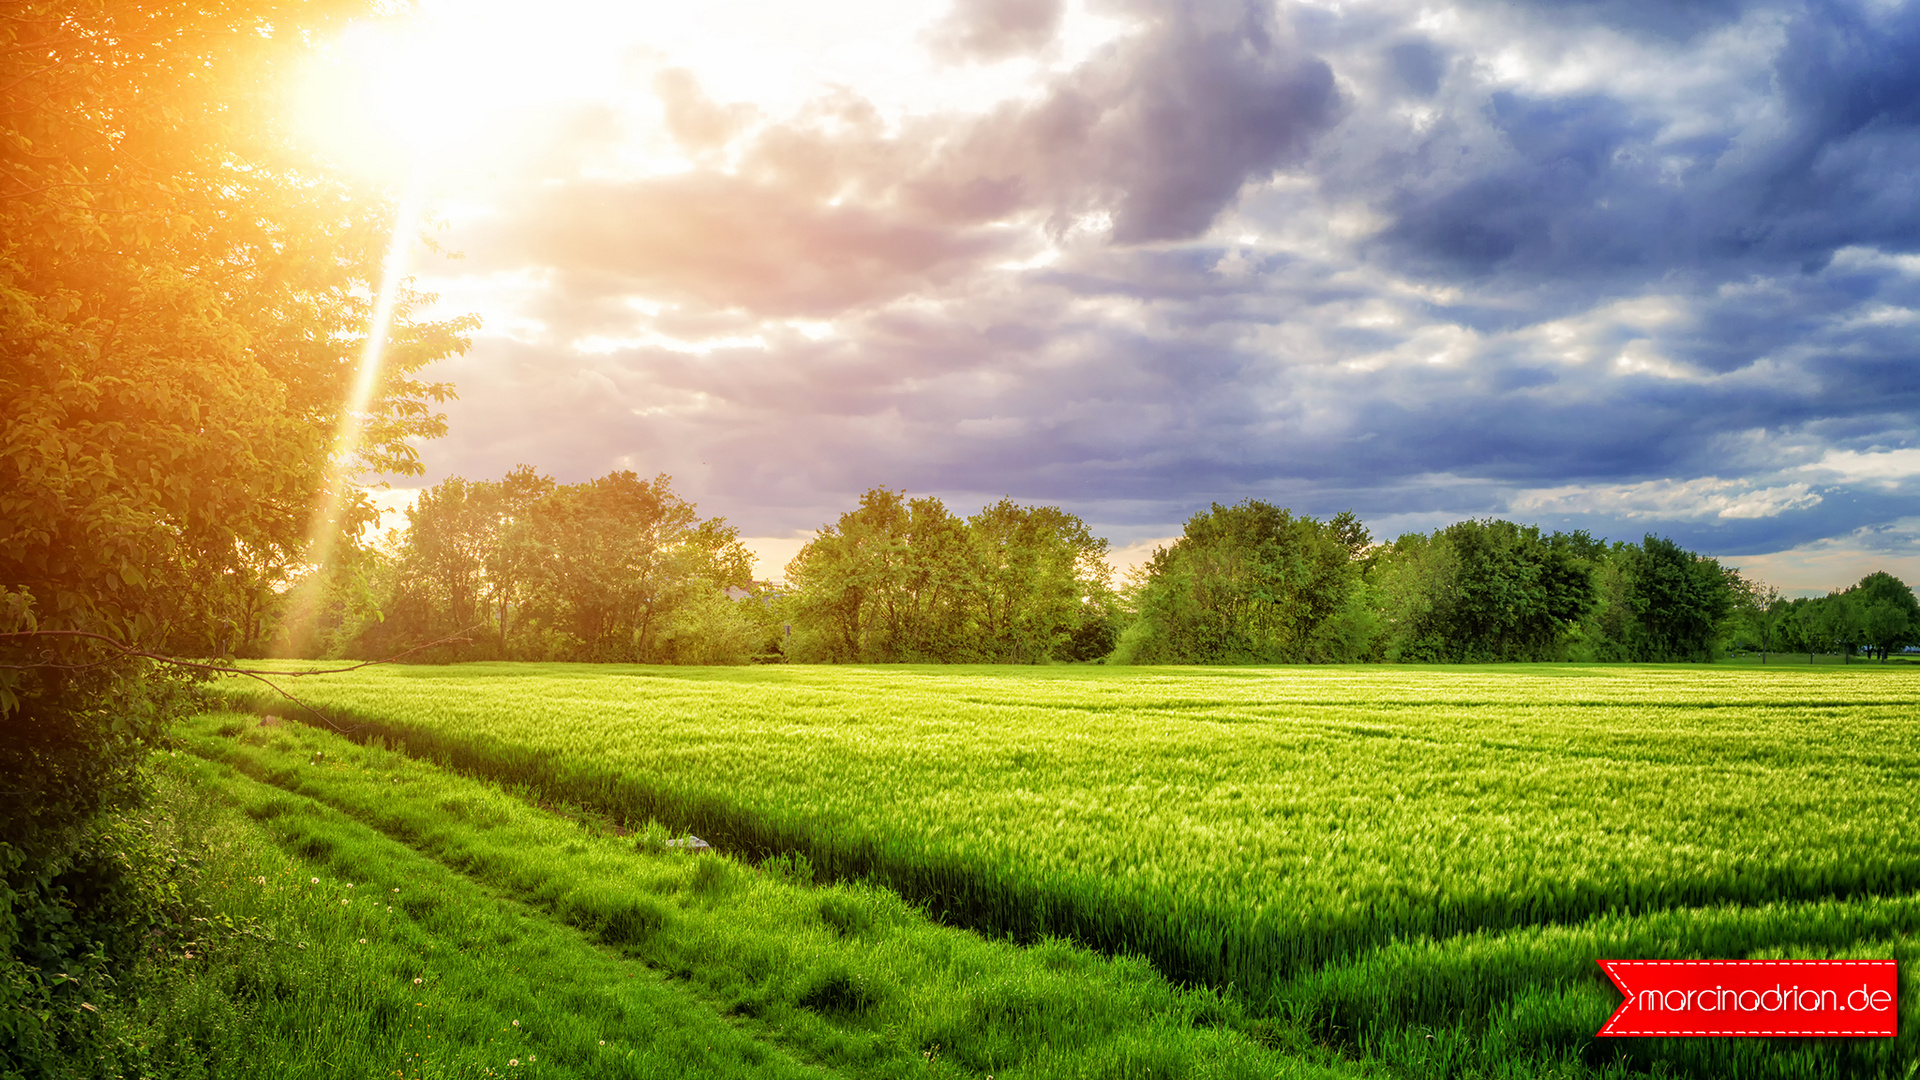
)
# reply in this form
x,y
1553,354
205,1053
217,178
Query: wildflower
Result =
x,y
363,941
316,881
349,884
513,1061
516,1023
603,1042
343,901
396,890
416,982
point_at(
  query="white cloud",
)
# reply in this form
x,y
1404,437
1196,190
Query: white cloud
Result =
x,y
1882,465
1704,497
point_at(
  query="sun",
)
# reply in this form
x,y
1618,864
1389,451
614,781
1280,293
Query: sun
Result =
x,y
385,97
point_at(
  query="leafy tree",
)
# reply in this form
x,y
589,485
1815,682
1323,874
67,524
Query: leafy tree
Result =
x,y
1837,623
1042,578
183,295
1677,601
466,559
1891,616
1249,582
1484,590
905,580
619,556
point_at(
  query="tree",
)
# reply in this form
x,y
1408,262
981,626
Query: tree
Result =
x,y
619,555
181,297
905,580
1484,590
1677,601
1247,583
1891,616
1038,569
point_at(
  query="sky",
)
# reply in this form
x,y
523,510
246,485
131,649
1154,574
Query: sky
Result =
x,y
1627,267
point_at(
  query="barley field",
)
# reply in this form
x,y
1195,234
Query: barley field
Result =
x,y
1392,859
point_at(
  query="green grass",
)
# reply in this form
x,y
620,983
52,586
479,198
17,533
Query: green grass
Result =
x,y
324,949
1378,855
845,978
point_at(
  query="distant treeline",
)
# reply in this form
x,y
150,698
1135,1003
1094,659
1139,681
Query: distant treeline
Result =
x,y
622,569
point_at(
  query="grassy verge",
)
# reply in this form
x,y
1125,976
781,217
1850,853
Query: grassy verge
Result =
x,y
846,977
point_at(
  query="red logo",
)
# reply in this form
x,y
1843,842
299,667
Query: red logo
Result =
x,y
1753,997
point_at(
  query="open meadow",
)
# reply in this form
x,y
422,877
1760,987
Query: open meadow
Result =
x,y
1399,868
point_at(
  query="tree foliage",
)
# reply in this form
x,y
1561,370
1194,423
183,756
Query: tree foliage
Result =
x,y
1484,590
619,568
900,579
181,301
1252,583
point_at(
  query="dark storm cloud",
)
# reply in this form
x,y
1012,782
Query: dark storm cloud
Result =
x,y
1162,131
1589,186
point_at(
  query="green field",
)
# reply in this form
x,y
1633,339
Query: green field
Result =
x,y
1406,866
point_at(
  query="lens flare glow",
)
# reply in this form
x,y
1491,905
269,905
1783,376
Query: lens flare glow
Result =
x,y
349,433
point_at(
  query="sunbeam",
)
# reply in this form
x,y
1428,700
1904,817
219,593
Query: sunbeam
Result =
x,y
323,532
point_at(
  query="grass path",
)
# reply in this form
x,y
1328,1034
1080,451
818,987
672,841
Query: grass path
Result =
x,y
328,950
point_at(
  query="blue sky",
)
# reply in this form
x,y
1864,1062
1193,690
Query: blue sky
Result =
x,y
1626,267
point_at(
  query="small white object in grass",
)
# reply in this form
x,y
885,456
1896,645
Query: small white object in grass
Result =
x,y
691,843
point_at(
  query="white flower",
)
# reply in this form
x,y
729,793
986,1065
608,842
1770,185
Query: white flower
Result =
x,y
316,881
363,941
513,1061
516,1023
416,982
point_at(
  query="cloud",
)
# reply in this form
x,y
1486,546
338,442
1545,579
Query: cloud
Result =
x,y
1163,130
696,121
1669,500
1883,465
1630,268
989,30
1835,562
729,242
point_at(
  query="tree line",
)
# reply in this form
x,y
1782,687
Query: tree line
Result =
x,y
624,569
1876,616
